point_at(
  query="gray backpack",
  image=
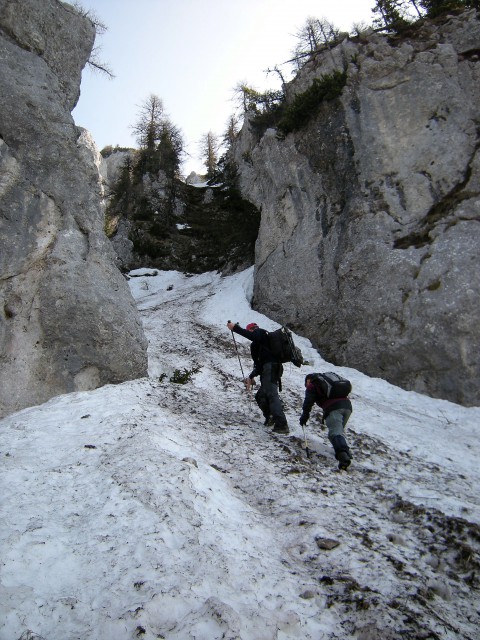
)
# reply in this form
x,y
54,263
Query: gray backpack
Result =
x,y
331,385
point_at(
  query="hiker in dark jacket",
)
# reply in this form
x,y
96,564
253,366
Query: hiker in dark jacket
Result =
x,y
270,370
336,412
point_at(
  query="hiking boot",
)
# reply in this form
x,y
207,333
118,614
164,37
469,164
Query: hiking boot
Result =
x,y
344,460
281,429
268,421
342,452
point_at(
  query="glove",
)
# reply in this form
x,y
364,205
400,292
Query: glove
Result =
x,y
303,419
249,383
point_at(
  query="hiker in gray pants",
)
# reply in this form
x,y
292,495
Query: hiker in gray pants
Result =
x,y
336,412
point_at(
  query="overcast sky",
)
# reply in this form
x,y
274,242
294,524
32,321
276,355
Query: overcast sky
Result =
x,y
191,53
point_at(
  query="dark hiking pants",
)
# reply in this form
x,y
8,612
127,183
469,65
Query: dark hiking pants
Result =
x,y
267,396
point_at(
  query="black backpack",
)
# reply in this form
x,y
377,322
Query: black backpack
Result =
x,y
331,385
282,346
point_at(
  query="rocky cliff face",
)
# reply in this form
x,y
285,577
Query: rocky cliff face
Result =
x,y
154,221
68,321
369,239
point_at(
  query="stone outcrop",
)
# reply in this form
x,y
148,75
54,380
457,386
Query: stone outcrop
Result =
x,y
155,221
67,319
369,238
110,168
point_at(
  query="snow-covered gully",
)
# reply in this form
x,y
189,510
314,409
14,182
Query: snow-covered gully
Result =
x,y
155,509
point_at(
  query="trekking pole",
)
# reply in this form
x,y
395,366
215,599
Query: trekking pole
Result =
x,y
238,355
306,443
241,369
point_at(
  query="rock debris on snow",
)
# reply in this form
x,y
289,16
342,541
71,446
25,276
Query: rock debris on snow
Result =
x,y
156,509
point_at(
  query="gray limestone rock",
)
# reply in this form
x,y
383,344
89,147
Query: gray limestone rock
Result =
x,y
370,229
110,168
68,321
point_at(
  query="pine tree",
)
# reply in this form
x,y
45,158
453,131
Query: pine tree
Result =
x,y
392,15
231,131
314,35
149,125
434,8
209,147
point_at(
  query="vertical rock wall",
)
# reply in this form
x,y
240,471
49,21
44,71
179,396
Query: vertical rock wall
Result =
x,y
370,234
67,319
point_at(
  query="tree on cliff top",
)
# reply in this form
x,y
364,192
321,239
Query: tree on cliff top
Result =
x,y
249,99
392,15
316,34
434,8
94,61
147,186
231,131
396,15
161,142
149,125
209,148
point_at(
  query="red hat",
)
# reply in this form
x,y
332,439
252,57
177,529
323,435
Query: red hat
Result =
x,y
251,326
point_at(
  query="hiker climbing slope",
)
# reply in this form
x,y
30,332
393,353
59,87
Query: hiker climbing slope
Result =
x,y
270,370
330,392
